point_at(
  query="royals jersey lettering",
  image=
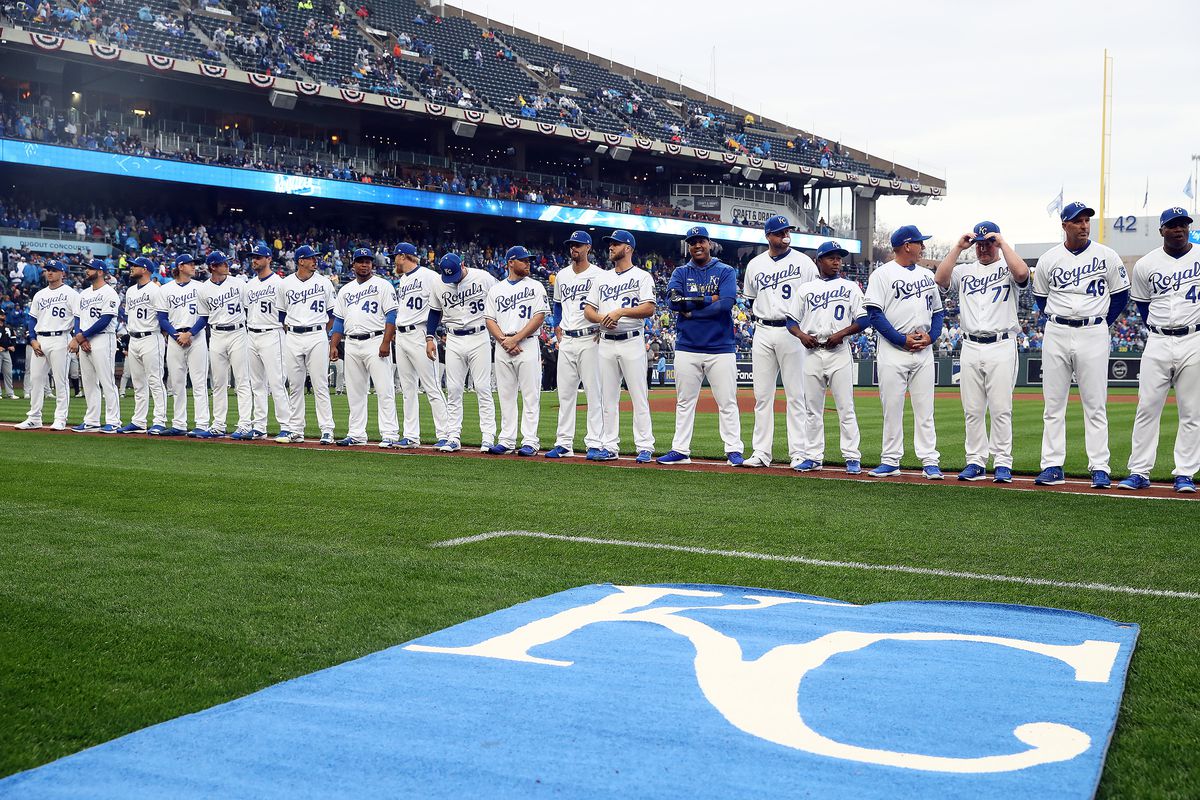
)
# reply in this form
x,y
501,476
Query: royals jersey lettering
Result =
x,y
260,302
628,289
180,303
511,305
571,291
306,303
141,307
95,303
1078,285
907,296
414,292
1170,285
53,309
223,303
363,307
462,303
772,283
987,297
824,307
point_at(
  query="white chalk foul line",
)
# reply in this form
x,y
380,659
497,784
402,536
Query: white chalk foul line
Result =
x,y
820,562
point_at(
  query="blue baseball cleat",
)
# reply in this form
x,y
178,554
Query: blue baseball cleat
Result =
x,y
674,457
498,450
884,471
527,450
932,472
131,428
450,446
439,444
409,444
1002,475
734,459
1100,479
644,457
350,441
83,427
156,430
170,432
853,467
199,433
808,465
558,451
256,434
1184,484
604,454
110,429
1050,476
593,453
972,472
1135,482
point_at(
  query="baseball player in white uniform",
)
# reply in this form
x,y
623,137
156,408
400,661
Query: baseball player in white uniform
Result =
x,y
365,315
619,302
305,306
95,341
514,311
772,279
222,299
578,350
50,319
820,315
144,361
988,290
1166,289
416,371
187,348
459,303
1082,287
264,349
905,308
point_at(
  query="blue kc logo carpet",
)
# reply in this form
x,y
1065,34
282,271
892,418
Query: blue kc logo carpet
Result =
x,y
661,691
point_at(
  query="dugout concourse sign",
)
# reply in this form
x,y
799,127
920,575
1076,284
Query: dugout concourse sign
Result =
x,y
689,691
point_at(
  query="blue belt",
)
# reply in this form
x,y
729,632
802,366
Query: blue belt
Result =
x,y
39,334
141,334
580,332
620,337
226,328
407,328
1071,322
358,337
987,338
264,330
1185,330
467,331
307,329
770,323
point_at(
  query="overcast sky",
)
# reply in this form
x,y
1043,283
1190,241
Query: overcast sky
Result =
x,y
1001,99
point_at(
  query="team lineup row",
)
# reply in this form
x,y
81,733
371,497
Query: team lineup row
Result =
x,y
273,334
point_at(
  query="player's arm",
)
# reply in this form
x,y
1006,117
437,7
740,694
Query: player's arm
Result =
x,y
793,327
720,304
1117,302
1016,265
677,301
390,309
556,316
591,304
531,327
335,337
101,324
945,269
1041,285
885,328
1118,288
31,330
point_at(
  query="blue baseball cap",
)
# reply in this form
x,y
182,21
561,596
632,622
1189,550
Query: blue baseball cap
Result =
x,y
55,265
184,258
696,232
983,229
404,249
579,237
98,264
363,252
451,268
777,224
906,234
622,237
1172,215
143,262
517,252
1072,210
832,249
304,251
216,257
261,251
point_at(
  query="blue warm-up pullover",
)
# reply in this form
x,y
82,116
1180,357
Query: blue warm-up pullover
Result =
x,y
709,327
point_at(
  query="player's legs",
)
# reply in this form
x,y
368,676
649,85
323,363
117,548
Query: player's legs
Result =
x,y
1187,399
815,382
427,378
721,370
1057,366
153,354
239,365
1091,372
380,369
1154,382
972,383
318,372
765,368
610,394
296,363
177,383
104,360
267,376
456,376
632,355
89,376
839,373
57,355
800,412
689,374
197,365
481,376
218,361
506,367
1001,377
569,363
357,374
37,370
920,393
529,381
589,376
407,381
893,382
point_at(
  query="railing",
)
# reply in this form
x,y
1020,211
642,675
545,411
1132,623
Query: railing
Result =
x,y
739,193
52,233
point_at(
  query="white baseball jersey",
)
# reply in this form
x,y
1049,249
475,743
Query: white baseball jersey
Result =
x,y
306,303
414,292
1078,286
824,307
628,289
141,307
571,290
907,296
95,303
1170,285
223,303
772,282
511,305
363,307
53,309
987,297
180,303
261,295
462,303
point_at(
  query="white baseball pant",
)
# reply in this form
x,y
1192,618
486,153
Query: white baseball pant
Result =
x,y
579,361
624,359
365,366
1084,352
520,373
777,351
832,370
469,354
183,362
265,354
144,365
307,354
901,371
97,373
987,375
1164,358
690,371
227,350
417,372
38,369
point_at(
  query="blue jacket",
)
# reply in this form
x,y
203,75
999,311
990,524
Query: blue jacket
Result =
x,y
709,326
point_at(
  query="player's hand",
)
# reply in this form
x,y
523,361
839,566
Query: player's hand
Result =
x,y
431,349
333,353
833,341
86,346
995,239
609,320
964,241
912,342
808,340
73,346
385,350
37,349
511,343
183,338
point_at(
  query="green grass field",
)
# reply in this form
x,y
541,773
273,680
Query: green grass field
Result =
x,y
143,579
